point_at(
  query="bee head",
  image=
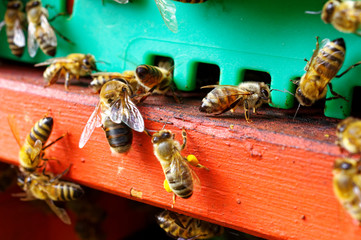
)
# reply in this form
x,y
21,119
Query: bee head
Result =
x,y
328,10
88,63
302,99
33,4
16,5
343,124
161,136
346,165
265,92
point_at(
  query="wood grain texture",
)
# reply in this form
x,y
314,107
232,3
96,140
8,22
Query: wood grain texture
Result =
x,y
270,178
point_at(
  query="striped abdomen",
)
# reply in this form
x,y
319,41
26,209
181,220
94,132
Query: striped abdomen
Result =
x,y
150,76
63,191
219,99
191,1
52,73
119,136
181,226
329,59
180,179
41,131
45,40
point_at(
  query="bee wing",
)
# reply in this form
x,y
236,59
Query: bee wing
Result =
x,y
55,60
126,111
35,151
175,164
61,213
32,44
315,52
19,37
47,28
167,9
93,122
14,128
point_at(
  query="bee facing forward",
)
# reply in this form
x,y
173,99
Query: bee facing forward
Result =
x,y
345,16
183,227
320,70
45,186
349,134
40,32
347,185
223,98
14,20
74,65
178,175
117,115
31,152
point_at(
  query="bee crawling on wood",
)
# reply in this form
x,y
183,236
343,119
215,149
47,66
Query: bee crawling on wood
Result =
x,y
179,177
74,65
250,95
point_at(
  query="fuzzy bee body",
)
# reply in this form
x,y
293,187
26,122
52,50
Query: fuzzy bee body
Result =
x,y
119,135
349,134
156,79
185,227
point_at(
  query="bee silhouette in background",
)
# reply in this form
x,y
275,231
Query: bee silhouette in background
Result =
x,y
325,63
349,135
74,65
117,115
180,226
14,22
345,16
250,95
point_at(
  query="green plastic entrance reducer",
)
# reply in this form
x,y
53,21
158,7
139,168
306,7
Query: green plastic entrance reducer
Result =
x,y
233,37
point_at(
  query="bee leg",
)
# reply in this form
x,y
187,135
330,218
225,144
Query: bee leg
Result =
x,y
62,36
54,141
184,136
348,69
246,111
174,198
336,95
57,15
194,162
57,177
178,99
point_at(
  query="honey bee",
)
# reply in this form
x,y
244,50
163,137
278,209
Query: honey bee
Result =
x,y
14,20
100,78
156,79
226,97
40,32
179,177
347,184
349,134
320,70
345,16
116,113
168,9
180,226
74,65
31,152
47,187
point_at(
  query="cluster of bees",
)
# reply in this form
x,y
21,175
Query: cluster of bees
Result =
x,y
118,115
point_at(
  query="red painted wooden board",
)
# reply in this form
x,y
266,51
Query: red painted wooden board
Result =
x,y
270,178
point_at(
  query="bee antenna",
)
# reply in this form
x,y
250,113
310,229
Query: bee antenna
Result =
x,y
296,111
104,62
313,12
284,91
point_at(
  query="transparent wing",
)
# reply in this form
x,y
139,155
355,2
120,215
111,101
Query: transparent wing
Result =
x,y
176,164
93,122
19,37
126,111
55,60
61,213
35,151
167,9
48,31
32,44
14,128
2,24
122,1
